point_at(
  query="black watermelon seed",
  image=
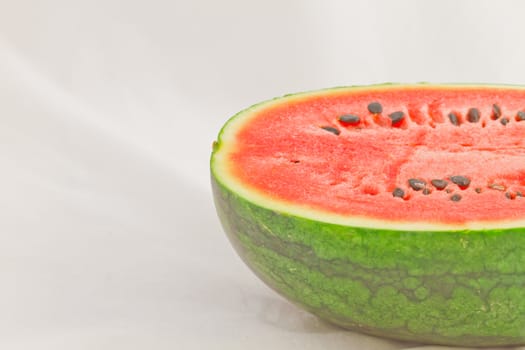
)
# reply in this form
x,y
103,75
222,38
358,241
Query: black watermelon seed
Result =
x,y
477,189
439,184
398,192
520,116
349,119
496,111
417,184
461,181
504,121
426,191
396,117
331,129
519,194
509,195
473,115
455,197
453,118
375,107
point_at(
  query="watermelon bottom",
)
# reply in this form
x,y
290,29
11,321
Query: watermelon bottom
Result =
x,y
463,288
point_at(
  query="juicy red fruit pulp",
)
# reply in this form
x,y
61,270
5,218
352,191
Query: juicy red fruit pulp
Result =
x,y
306,153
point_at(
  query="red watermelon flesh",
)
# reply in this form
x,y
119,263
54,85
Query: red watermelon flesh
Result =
x,y
292,152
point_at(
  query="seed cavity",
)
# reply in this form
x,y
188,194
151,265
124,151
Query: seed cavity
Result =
x,y
375,107
497,187
398,192
520,116
439,184
461,181
504,121
426,191
331,129
349,119
453,117
496,112
513,195
396,117
473,115
455,197
417,184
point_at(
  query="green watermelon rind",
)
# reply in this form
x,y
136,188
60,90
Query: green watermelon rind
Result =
x,y
456,287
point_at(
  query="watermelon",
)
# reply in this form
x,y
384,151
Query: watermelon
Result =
x,y
392,210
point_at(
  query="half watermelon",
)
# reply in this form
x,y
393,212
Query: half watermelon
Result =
x,y
393,210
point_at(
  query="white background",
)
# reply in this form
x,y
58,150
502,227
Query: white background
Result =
x,y
108,235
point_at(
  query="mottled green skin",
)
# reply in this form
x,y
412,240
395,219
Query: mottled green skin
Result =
x,y
454,287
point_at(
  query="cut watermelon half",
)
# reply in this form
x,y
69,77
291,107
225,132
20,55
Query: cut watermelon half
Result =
x,y
395,210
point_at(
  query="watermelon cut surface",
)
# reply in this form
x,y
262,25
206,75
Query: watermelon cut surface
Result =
x,y
395,210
